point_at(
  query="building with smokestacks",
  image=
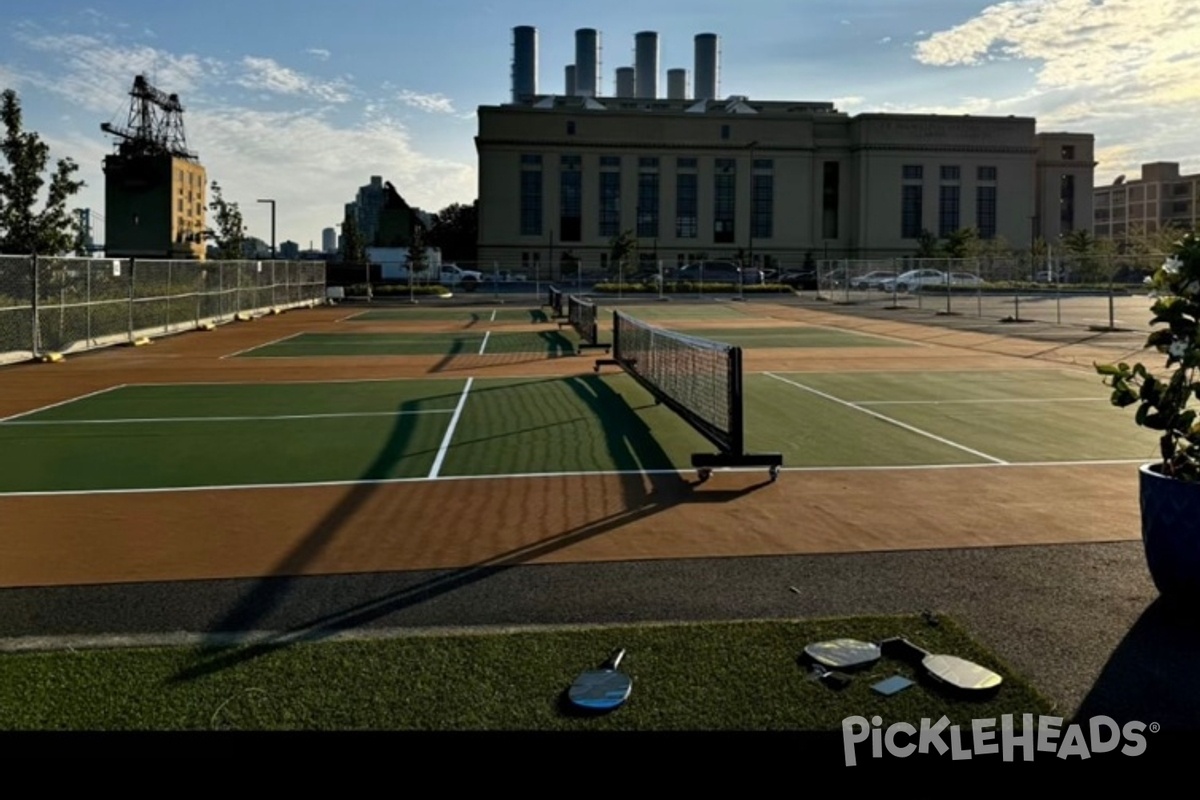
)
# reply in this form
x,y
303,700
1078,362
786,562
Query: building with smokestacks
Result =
x,y
695,175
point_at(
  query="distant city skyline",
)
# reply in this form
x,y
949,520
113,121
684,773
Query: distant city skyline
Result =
x,y
307,112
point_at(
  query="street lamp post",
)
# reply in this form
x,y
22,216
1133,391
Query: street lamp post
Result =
x,y
272,202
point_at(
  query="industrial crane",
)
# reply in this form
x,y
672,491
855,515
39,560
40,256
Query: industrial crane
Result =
x,y
155,124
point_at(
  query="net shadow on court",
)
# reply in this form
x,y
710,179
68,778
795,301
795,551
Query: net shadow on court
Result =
x,y
625,445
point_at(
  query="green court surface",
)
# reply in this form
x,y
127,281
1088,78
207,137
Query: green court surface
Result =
x,y
465,315
792,337
188,435
319,345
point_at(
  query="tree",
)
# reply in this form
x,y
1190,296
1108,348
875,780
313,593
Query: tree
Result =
x,y
961,243
455,230
622,249
927,245
417,260
354,248
23,231
230,235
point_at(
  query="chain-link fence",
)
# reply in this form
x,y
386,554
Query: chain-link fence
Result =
x,y
1097,292
63,305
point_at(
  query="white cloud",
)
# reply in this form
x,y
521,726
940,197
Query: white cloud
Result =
x,y
266,74
433,103
311,160
1124,70
884,40
319,52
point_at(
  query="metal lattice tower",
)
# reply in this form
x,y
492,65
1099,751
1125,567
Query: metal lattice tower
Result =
x,y
155,124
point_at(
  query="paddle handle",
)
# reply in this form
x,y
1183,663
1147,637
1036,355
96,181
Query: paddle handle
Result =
x,y
615,661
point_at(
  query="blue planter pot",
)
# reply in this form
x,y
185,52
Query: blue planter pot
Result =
x,y
1171,531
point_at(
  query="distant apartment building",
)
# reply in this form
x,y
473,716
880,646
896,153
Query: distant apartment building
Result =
x,y
329,240
383,217
1162,197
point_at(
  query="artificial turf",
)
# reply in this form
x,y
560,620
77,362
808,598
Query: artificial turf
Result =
x,y
701,676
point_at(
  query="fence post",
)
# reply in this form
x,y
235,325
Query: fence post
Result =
x,y
131,269
35,334
167,321
88,268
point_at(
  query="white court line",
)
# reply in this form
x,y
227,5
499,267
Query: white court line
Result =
x,y
408,378
989,402
895,422
139,420
63,402
493,319
483,345
441,453
257,346
350,316
572,474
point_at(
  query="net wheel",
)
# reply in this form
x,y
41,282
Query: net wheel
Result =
x,y
704,473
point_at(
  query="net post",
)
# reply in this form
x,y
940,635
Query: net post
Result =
x,y
737,430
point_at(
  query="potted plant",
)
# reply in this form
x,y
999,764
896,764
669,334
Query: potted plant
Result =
x,y
1169,489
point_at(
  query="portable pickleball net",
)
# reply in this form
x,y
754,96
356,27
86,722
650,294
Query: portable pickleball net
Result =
x,y
699,379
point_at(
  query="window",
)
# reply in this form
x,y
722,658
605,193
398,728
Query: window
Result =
x,y
1066,203
985,174
1068,152
531,161
985,211
610,161
686,206
764,163
610,203
829,201
570,127
762,206
950,173
913,172
570,204
647,205
911,211
685,163
648,162
948,214
724,188
724,131
531,202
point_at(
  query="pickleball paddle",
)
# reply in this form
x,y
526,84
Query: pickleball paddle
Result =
x,y
601,689
843,653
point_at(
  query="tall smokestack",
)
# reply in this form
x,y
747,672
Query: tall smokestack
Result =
x,y
646,64
587,62
708,66
525,63
625,81
569,86
677,86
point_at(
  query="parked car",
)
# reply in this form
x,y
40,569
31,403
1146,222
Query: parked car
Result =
x,y
719,272
801,279
872,280
965,279
914,279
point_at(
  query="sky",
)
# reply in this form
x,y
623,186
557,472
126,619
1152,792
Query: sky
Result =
x,y
302,102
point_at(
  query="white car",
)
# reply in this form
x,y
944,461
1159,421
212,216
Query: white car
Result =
x,y
914,279
965,279
454,275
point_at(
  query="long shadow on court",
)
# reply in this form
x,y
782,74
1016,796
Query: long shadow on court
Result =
x,y
628,440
